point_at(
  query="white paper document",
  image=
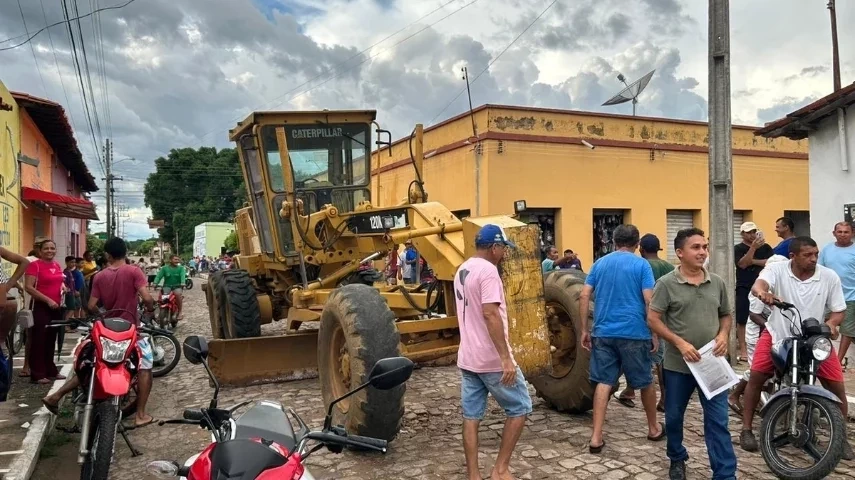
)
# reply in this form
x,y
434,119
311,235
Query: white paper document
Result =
x,y
713,374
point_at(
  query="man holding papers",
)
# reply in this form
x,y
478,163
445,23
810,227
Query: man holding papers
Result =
x,y
690,309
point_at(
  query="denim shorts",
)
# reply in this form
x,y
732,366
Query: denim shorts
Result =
x,y
146,354
611,356
475,386
660,353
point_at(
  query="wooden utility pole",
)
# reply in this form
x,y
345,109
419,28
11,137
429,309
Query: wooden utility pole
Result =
x,y
835,54
720,159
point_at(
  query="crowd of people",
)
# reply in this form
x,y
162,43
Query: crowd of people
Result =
x,y
651,316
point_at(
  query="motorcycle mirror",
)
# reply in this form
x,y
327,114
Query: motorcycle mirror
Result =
x,y
195,349
388,373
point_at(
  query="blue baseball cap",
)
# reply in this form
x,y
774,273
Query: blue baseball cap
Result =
x,y
492,234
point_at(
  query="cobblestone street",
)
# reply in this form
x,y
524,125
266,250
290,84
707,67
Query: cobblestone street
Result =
x,y
429,446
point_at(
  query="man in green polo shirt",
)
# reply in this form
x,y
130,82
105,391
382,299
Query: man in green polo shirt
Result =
x,y
173,275
689,309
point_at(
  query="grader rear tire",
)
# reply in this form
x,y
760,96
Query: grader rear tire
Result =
x,y
213,305
357,329
240,315
568,387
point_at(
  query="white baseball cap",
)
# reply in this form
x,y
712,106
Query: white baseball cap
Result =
x,y
748,226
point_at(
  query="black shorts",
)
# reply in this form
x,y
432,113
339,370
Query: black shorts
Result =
x,y
742,305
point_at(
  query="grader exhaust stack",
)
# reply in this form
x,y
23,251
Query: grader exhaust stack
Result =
x,y
306,236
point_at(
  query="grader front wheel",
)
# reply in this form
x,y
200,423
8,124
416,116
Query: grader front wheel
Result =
x,y
357,329
211,289
239,314
568,387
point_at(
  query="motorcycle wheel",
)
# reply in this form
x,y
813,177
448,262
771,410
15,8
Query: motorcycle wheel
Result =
x,y
163,317
105,421
188,284
171,342
778,411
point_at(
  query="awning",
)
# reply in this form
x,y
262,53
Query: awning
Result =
x,y
61,205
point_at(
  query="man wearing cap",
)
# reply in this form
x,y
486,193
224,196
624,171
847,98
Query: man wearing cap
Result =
x,y
620,341
750,256
649,247
485,359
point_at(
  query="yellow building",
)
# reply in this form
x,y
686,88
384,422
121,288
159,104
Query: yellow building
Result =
x,y
582,173
10,182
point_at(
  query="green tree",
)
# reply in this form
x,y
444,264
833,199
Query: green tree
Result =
x,y
94,245
231,242
193,186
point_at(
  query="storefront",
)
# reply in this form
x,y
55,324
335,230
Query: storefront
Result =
x,y
54,178
583,173
9,201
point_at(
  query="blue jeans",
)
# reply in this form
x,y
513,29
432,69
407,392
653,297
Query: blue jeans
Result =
x,y
679,388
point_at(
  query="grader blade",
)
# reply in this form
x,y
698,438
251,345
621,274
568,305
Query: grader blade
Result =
x,y
249,361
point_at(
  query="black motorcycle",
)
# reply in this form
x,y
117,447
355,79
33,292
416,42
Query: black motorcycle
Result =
x,y
803,432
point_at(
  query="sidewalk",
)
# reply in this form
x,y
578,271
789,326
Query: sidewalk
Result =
x,y
24,422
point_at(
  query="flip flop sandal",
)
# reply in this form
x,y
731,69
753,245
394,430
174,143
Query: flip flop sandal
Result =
x,y
134,426
735,408
659,437
597,449
626,402
60,377
54,409
24,374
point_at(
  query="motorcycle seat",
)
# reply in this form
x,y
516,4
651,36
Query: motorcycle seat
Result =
x,y
267,420
242,459
117,324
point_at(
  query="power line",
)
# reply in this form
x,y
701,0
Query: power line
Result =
x,y
32,49
494,59
67,20
80,82
98,37
88,74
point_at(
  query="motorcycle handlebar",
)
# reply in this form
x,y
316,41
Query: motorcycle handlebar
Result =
x,y
194,414
784,305
350,441
178,421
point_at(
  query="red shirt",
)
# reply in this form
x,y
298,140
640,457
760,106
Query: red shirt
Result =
x,y
117,288
49,278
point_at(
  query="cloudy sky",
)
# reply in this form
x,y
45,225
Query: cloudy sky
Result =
x,y
182,72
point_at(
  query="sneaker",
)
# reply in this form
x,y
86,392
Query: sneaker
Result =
x,y
847,451
747,440
677,470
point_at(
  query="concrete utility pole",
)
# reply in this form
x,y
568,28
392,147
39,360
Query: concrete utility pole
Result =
x,y
109,187
720,159
835,54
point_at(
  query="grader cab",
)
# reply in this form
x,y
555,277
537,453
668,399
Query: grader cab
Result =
x,y
310,225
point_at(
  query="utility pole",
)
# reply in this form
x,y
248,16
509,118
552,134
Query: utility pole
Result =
x,y
720,159
109,188
835,54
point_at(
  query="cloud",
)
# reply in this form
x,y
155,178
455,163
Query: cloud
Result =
x,y
807,72
782,107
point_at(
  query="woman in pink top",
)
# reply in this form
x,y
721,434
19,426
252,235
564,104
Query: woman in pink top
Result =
x,y
43,281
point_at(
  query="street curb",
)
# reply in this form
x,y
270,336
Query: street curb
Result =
x,y
25,463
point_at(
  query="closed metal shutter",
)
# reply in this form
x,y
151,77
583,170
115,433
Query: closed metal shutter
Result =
x,y
676,220
738,220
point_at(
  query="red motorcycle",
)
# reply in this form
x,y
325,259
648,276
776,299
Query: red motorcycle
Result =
x,y
106,360
167,315
262,443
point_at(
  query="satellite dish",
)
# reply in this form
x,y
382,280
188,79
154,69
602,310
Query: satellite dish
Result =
x,y
631,92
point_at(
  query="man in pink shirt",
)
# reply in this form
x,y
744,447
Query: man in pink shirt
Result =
x,y
484,358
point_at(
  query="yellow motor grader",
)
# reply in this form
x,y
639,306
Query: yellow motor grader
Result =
x,y
308,227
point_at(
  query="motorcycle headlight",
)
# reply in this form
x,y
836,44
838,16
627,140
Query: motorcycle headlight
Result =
x,y
113,352
821,349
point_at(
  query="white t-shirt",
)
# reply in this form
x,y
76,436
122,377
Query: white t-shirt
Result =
x,y
813,297
405,268
760,308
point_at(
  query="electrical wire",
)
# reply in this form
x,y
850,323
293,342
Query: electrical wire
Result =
x,y
88,74
494,60
67,20
80,79
32,49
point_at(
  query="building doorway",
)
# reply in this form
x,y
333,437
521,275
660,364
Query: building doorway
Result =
x,y
545,218
605,223
676,220
802,220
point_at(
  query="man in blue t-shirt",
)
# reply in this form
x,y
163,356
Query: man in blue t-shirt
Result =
x,y
840,257
785,228
621,339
